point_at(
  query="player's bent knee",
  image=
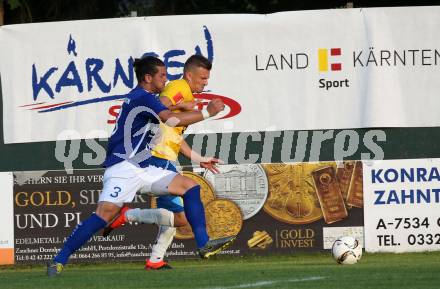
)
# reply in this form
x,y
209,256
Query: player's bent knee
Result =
x,y
180,185
180,220
189,183
107,211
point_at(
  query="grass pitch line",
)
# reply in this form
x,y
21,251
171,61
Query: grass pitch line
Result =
x,y
267,283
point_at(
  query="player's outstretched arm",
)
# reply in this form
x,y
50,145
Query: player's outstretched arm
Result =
x,y
189,117
209,163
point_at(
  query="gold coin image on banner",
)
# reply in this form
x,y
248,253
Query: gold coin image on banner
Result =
x,y
292,196
244,184
223,218
206,191
207,195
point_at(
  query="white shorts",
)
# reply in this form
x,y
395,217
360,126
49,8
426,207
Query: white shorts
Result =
x,y
123,180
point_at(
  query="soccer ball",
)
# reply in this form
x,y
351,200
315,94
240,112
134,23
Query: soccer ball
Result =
x,y
347,250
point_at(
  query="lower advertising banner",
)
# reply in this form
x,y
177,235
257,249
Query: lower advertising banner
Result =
x,y
273,208
7,227
402,205
49,205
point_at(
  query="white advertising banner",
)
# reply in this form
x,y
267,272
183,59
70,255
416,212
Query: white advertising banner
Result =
x,y
303,70
402,205
7,217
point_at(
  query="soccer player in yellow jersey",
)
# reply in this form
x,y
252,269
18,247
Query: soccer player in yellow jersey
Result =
x,y
128,170
178,96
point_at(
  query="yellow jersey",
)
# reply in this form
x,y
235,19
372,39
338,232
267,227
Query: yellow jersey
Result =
x,y
168,144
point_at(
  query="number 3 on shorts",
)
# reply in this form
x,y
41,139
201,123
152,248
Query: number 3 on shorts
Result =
x,y
116,192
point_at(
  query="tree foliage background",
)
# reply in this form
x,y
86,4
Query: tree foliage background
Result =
x,y
25,11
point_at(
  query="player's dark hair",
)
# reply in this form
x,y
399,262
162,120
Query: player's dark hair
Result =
x,y
146,65
197,61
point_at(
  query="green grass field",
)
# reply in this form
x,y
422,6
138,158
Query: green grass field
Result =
x,y
417,270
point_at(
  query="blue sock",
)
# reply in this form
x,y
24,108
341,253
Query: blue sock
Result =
x,y
195,214
82,233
